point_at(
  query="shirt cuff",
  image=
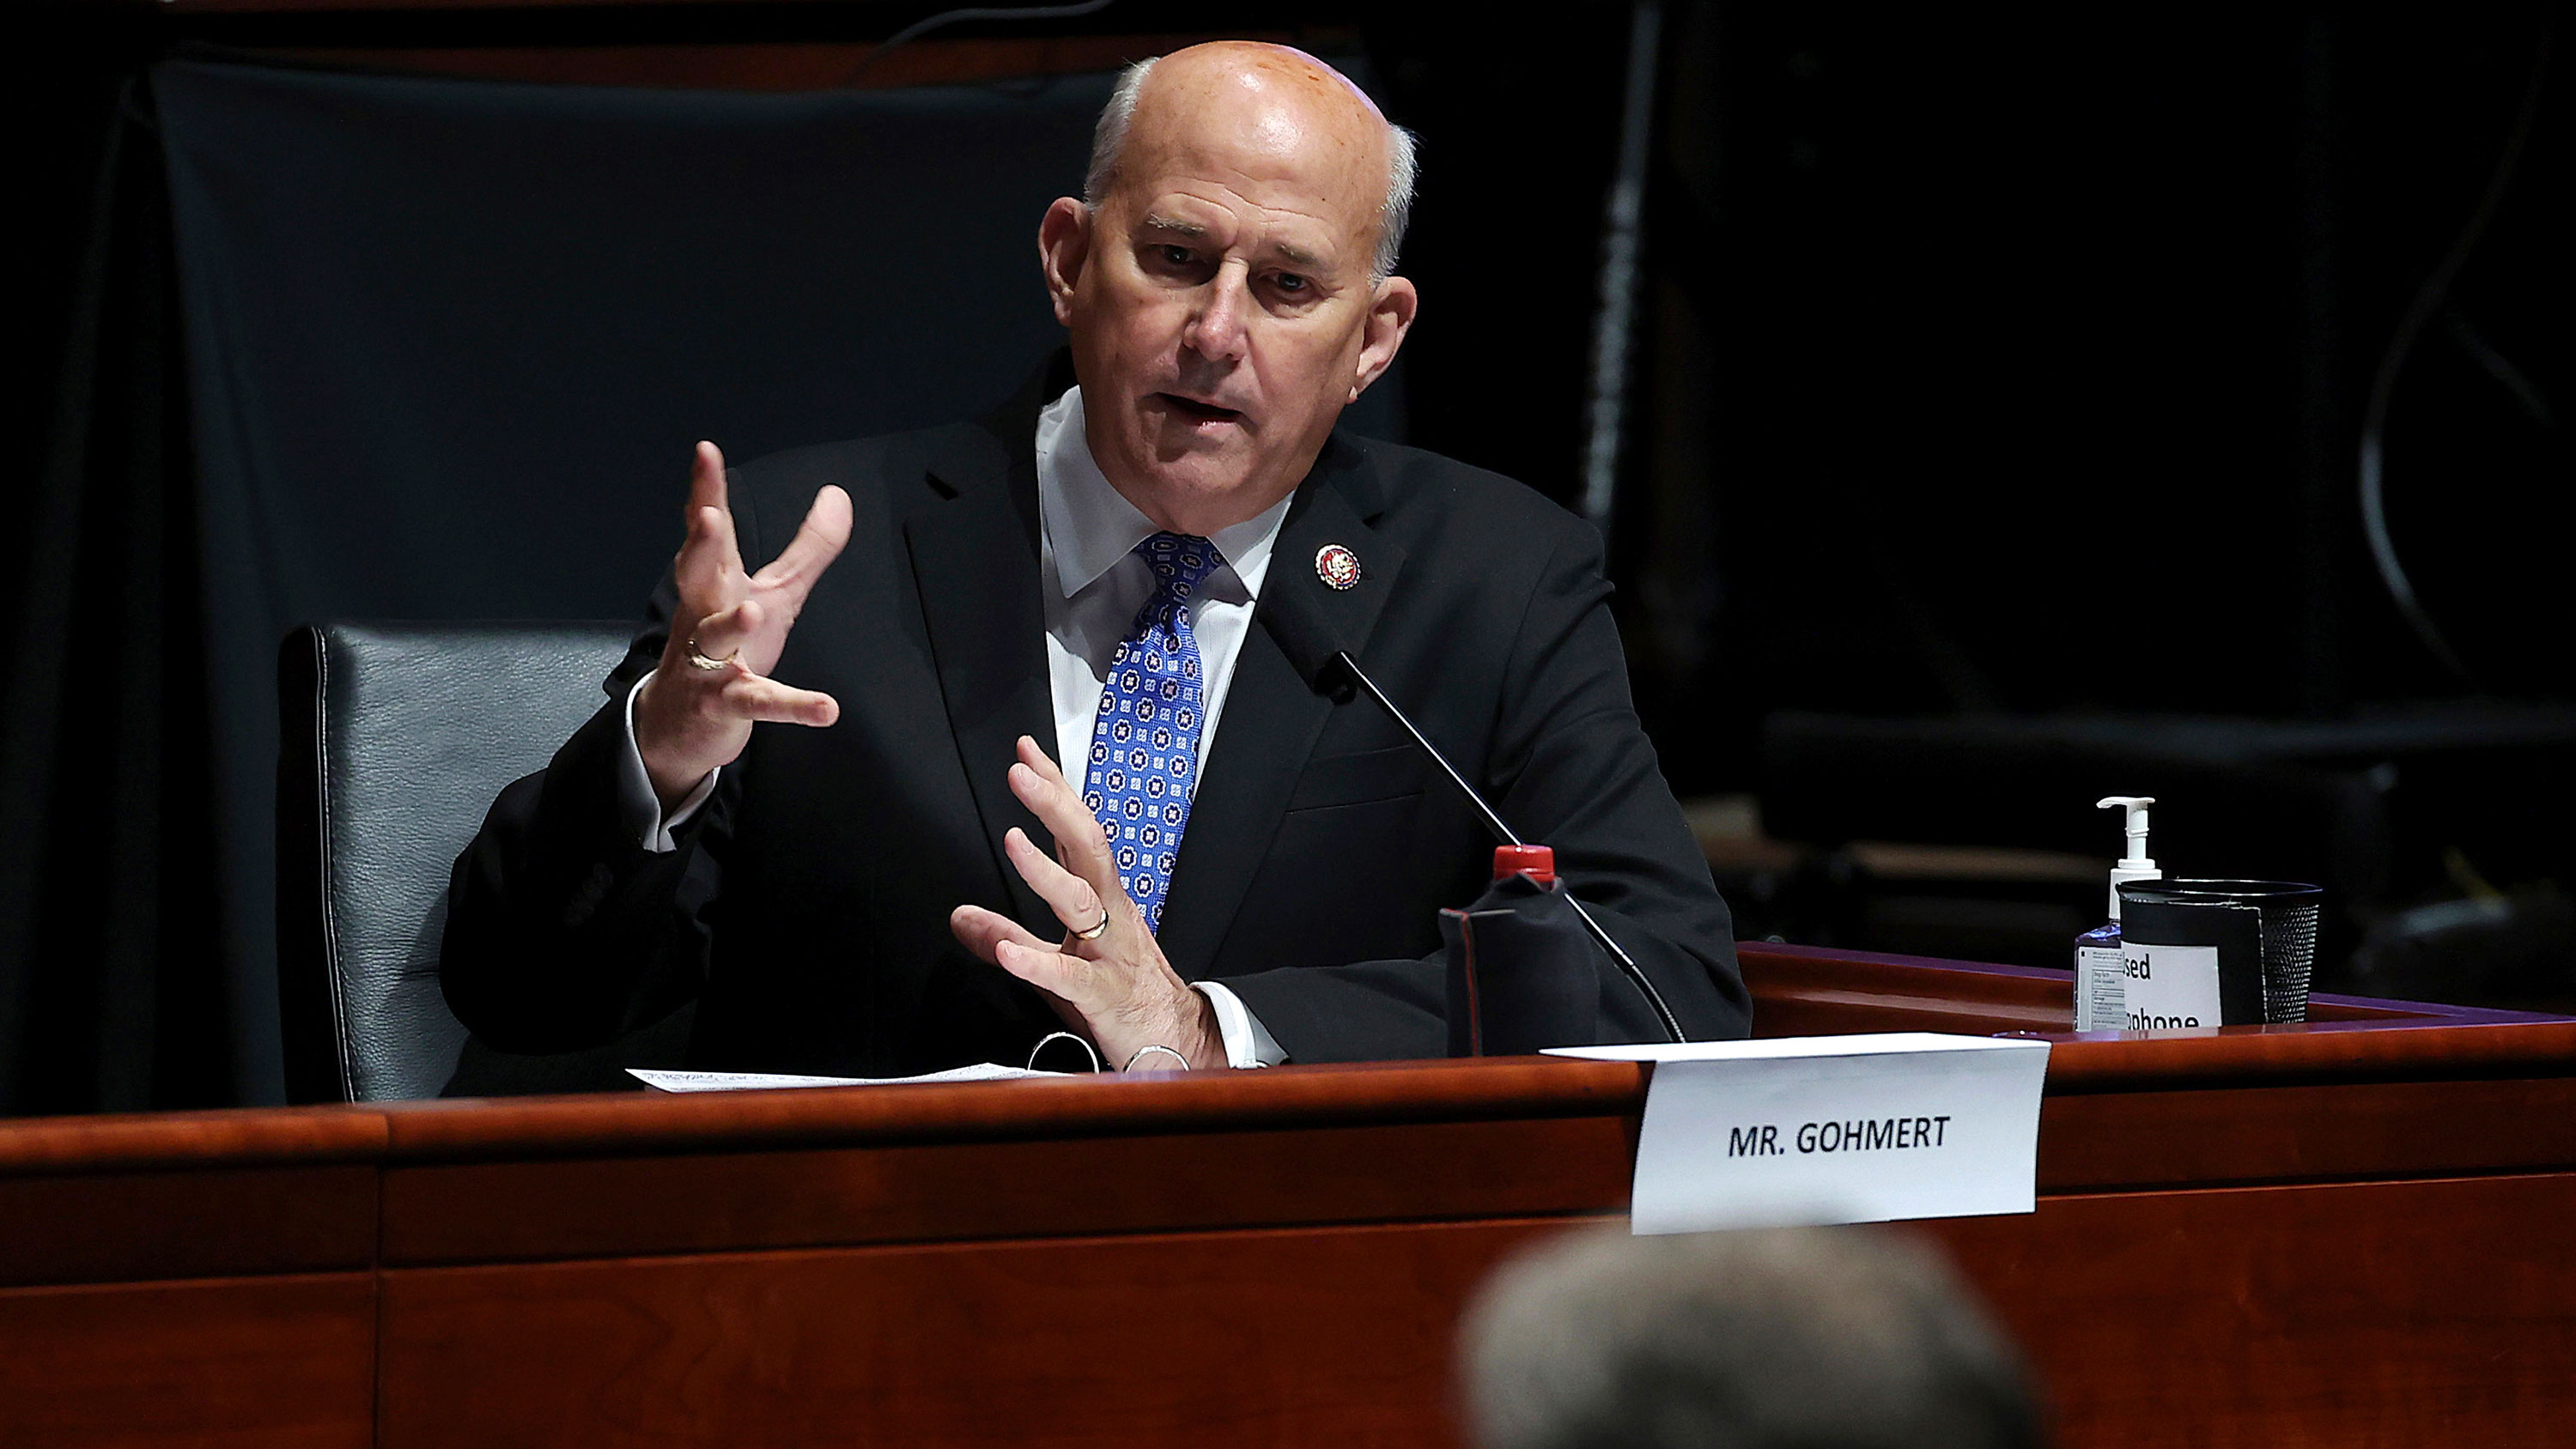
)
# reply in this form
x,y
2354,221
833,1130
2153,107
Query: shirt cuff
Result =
x,y
639,808
1247,1042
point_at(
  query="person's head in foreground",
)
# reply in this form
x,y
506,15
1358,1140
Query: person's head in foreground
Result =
x,y
1786,1338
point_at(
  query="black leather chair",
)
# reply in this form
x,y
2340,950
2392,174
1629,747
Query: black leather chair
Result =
x,y
394,740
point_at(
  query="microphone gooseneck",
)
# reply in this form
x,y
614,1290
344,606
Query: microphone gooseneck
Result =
x,y
1493,822
1317,655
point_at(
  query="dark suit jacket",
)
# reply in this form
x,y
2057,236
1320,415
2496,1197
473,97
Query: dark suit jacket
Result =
x,y
807,906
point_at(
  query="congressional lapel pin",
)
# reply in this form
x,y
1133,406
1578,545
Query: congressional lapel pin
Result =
x,y
1337,566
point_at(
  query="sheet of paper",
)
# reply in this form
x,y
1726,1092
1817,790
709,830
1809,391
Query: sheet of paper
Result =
x,y
770,1081
1841,1129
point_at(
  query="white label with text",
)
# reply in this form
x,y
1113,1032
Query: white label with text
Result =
x,y
2169,986
1851,1129
2100,990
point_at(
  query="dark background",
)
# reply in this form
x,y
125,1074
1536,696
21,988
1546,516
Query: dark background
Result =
x,y
1975,357
1982,314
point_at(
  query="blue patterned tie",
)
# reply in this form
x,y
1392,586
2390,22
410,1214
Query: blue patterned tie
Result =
x,y
1145,743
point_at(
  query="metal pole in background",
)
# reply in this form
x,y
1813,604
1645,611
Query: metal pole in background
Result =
x,y
1624,220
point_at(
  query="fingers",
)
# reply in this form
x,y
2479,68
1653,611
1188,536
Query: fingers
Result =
x,y
739,693
1041,787
709,568
983,931
1039,760
764,700
1003,942
725,631
818,541
1080,884
698,718
707,478
1071,897
1045,968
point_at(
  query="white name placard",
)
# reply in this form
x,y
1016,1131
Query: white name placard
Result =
x,y
2168,987
1834,1129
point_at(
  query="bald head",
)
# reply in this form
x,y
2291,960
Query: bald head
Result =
x,y
1279,94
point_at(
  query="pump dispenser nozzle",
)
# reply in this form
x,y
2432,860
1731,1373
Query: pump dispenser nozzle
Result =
x,y
2135,865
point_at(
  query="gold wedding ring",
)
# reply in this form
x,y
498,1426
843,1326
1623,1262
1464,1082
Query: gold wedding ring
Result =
x,y
699,660
1097,927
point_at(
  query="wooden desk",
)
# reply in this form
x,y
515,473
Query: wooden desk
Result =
x,y
2349,1233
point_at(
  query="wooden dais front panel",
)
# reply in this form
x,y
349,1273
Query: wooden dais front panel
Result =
x,y
286,1361
2346,1232
1336,1336
2439,1313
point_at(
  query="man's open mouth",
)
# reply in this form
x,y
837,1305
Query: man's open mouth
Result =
x,y
1198,411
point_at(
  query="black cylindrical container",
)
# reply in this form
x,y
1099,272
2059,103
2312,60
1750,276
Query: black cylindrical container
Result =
x,y
2217,952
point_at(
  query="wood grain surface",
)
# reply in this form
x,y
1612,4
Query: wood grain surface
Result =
x,y
2354,1316
134,1226
1370,1093
2308,1315
1330,1337
280,1363
2388,1130
158,1141
1026,1189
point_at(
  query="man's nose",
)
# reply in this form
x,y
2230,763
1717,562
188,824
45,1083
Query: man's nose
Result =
x,y
1216,329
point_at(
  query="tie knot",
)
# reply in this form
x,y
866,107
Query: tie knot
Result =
x,y
1181,561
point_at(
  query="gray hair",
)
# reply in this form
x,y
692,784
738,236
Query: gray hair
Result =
x,y
1795,1338
1109,139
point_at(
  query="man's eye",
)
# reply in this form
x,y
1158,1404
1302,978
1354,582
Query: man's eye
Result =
x,y
1291,283
1174,256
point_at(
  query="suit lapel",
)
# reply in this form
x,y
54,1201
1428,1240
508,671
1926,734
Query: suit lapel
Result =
x,y
1271,718
974,550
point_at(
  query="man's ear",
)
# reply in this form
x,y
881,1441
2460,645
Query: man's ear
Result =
x,y
1390,316
1064,244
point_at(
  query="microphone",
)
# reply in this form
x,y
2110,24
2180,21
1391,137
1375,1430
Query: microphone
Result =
x,y
1314,649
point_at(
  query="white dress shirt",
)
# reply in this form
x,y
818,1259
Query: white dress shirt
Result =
x,y
1092,584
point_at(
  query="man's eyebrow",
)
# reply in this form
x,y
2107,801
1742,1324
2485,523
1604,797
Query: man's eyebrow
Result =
x,y
1289,252
1297,256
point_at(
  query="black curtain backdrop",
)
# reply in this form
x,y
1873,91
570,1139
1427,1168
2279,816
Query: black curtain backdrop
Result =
x,y
112,991
446,347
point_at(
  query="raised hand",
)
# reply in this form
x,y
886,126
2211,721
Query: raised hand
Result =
x,y
713,683
1113,985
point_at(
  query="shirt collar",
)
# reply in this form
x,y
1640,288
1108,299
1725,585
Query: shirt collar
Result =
x,y
1091,526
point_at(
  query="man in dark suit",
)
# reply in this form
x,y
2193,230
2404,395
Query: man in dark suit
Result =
x,y
1084,578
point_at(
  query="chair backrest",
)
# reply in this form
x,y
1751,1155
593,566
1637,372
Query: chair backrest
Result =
x,y
395,739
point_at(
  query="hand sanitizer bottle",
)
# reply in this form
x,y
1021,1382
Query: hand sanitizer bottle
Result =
x,y
2101,997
